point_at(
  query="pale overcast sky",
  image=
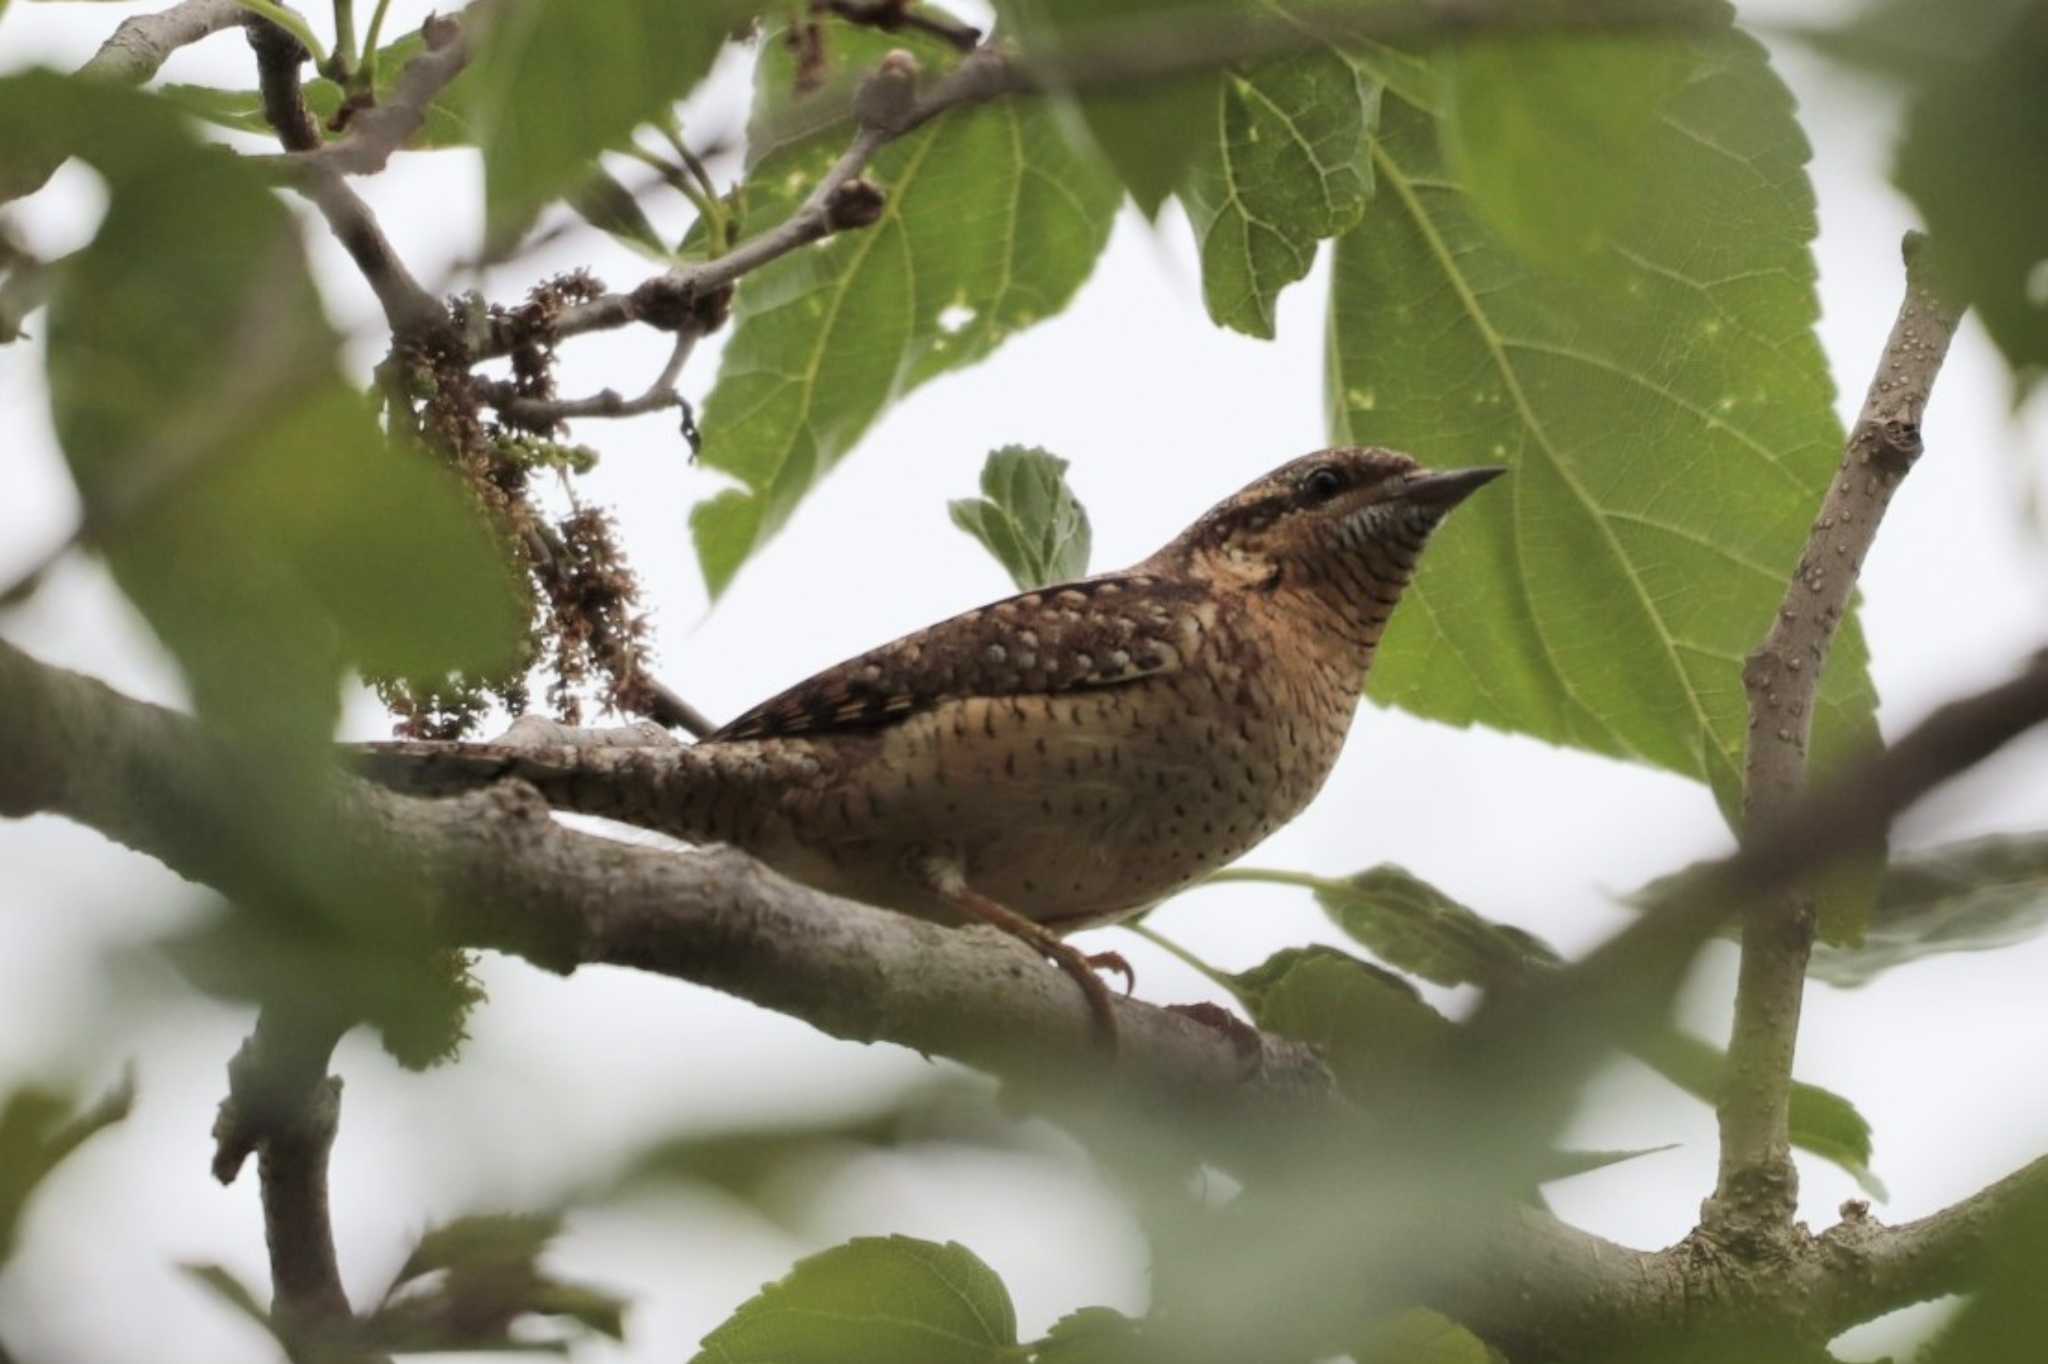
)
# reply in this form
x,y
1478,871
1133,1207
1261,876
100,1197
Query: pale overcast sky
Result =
x,y
1160,413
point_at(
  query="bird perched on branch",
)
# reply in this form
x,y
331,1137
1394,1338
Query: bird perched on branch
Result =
x,y
1058,759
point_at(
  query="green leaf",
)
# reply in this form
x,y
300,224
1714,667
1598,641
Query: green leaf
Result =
x,y
1369,1024
241,490
992,222
490,1277
1420,1336
226,1286
874,1300
38,1130
1555,137
1822,1122
558,81
1413,926
508,1238
1100,1335
1565,1164
1963,897
1027,517
1289,165
1671,432
610,207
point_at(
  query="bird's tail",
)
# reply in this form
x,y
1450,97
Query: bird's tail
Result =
x,y
701,793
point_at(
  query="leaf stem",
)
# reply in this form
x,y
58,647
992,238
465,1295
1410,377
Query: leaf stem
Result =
x,y
708,203
1271,876
366,73
344,42
1182,955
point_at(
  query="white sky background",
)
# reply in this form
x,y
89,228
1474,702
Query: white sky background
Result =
x,y
1161,414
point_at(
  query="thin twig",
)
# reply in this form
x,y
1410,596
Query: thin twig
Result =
x,y
1758,1186
375,133
886,108
545,414
409,309
142,44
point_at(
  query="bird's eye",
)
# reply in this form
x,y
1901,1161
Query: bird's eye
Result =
x,y
1321,485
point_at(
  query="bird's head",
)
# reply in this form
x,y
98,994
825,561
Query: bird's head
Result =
x,y
1334,533
1342,526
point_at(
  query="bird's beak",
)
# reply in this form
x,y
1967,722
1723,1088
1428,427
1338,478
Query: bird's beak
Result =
x,y
1448,489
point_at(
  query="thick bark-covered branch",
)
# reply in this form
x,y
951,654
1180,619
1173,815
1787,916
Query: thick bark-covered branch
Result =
x,y
511,878
1758,1187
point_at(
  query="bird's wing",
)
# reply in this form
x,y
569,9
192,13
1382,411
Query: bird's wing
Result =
x,y
1096,633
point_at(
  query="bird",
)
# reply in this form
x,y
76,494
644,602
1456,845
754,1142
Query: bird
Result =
x,y
1062,758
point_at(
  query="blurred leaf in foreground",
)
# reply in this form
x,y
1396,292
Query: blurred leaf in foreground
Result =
x,y
38,1129
489,1275
1974,154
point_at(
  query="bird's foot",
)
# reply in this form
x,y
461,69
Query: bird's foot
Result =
x,y
947,881
1114,961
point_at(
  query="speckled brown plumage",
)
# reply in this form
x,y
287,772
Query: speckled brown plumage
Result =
x,y
1072,754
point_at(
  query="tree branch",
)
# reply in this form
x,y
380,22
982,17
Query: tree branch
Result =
x,y
545,414
283,1106
886,106
513,879
1757,1190
143,43
410,310
376,132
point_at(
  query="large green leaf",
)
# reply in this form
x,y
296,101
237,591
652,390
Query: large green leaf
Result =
x,y
1027,517
1285,163
558,81
1554,137
1669,426
874,1300
992,222
241,490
